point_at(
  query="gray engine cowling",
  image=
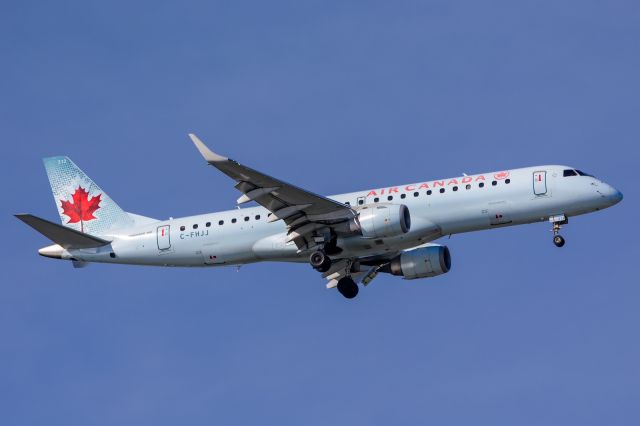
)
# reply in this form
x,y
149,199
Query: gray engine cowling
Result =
x,y
423,262
384,220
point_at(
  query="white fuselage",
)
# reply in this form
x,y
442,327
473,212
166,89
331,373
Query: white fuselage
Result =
x,y
437,208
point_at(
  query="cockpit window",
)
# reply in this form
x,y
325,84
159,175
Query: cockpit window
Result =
x,y
570,172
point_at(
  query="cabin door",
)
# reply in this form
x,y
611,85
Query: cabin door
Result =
x,y
164,241
540,183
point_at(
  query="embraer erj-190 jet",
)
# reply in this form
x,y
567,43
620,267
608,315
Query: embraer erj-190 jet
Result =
x,y
349,238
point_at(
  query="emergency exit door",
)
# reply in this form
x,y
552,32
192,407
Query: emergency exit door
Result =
x,y
540,182
164,241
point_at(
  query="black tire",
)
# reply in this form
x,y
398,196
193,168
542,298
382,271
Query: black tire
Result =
x,y
326,265
348,288
317,258
320,261
558,241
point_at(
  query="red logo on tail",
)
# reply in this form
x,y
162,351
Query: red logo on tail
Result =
x,y
82,208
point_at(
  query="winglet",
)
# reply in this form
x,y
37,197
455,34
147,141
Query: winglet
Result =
x,y
208,155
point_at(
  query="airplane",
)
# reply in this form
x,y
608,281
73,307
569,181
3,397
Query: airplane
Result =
x,y
348,238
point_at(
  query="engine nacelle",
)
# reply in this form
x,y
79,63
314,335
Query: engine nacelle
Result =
x,y
422,262
384,220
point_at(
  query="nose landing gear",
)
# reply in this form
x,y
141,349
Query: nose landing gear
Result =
x,y
558,240
557,222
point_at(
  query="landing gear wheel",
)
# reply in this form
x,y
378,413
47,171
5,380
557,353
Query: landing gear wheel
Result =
x,y
348,288
558,241
320,261
557,222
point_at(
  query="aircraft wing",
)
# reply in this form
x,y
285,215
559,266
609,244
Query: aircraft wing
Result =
x,y
306,214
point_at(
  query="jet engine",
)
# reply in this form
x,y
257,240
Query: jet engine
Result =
x,y
423,262
384,220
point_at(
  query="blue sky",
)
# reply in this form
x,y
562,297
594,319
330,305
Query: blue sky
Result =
x,y
334,97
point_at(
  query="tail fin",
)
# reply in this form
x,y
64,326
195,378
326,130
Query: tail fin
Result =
x,y
82,205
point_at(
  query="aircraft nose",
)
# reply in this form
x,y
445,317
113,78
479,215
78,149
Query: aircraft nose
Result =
x,y
617,196
613,195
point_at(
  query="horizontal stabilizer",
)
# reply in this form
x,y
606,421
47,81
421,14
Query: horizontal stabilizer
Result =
x,y
65,237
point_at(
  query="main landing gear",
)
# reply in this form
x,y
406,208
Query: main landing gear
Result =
x,y
320,261
557,222
348,288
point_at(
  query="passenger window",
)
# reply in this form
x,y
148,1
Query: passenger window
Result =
x,y
233,220
429,192
455,188
468,186
481,185
442,190
221,222
182,228
507,181
415,194
494,183
347,203
257,217
568,173
246,218
208,224
390,197
195,226
375,200
360,202
403,196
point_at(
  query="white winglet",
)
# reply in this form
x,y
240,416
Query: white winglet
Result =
x,y
208,155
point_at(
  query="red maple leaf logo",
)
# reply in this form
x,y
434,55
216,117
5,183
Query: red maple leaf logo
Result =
x,y
82,208
501,175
